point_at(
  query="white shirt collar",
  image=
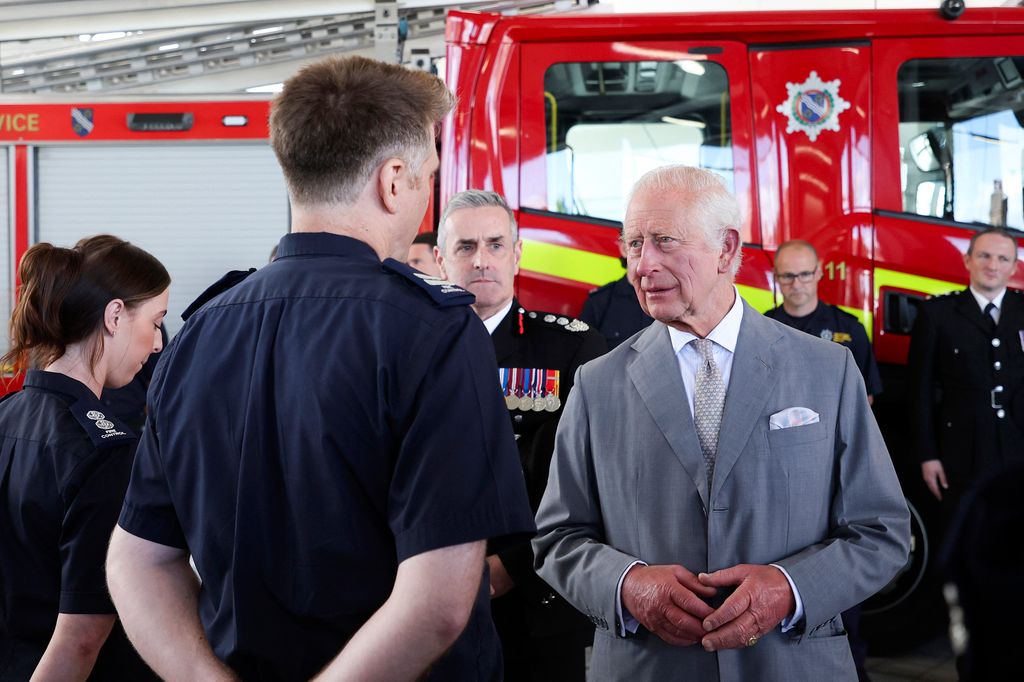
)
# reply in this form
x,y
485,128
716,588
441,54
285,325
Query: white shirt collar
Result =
x,y
725,334
492,322
984,301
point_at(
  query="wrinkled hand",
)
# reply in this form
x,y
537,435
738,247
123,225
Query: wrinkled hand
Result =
x,y
667,600
501,581
934,477
761,600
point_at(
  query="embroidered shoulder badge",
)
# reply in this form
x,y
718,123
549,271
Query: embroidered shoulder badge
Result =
x,y
444,293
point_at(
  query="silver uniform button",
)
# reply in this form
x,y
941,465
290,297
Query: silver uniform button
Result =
x,y
1001,413
998,389
997,364
995,343
549,318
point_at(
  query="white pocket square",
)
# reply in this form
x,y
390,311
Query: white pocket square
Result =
x,y
792,416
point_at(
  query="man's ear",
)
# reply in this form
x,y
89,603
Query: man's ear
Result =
x,y
114,316
439,259
390,181
729,249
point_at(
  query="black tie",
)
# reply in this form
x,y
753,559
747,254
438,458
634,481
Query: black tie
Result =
x,y
988,317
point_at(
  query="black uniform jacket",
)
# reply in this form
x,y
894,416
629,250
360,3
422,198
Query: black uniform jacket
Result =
x,y
615,311
957,365
65,461
537,340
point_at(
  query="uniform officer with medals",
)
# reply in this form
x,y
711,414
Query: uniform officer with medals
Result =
x,y
543,637
967,370
797,272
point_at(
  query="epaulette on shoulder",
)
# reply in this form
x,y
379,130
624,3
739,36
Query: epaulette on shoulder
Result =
x,y
845,314
562,322
945,294
444,293
104,431
220,286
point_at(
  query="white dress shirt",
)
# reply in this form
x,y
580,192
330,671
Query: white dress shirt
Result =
x,y
492,322
724,335
984,301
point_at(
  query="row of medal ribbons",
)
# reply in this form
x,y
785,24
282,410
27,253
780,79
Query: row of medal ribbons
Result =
x,y
530,389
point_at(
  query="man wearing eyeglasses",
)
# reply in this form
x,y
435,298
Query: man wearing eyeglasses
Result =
x,y
797,273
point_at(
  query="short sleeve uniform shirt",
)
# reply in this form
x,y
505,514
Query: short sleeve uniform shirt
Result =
x,y
65,462
311,428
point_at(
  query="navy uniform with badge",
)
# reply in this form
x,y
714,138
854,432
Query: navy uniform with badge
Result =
x,y
538,355
615,311
967,377
302,445
831,323
65,461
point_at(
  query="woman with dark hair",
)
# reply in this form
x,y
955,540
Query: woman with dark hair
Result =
x,y
86,318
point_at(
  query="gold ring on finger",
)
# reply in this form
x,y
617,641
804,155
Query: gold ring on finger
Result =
x,y
752,641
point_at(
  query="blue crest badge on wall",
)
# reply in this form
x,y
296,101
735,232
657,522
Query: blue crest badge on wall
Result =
x,y
81,121
813,106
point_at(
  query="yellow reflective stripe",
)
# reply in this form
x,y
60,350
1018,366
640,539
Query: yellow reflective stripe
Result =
x,y
759,299
926,285
568,263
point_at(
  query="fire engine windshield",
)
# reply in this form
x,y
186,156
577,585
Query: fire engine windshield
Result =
x,y
610,122
962,139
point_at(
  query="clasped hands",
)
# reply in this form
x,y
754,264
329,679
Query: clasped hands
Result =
x,y
670,602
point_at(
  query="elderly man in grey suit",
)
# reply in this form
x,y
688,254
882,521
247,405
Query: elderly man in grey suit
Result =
x,y
720,491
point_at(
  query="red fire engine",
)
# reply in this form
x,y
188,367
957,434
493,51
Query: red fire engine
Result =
x,y
884,138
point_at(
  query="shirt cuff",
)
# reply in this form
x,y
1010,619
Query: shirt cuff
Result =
x,y
625,619
789,623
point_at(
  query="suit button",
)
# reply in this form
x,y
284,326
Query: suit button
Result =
x,y
1001,413
997,364
949,425
995,343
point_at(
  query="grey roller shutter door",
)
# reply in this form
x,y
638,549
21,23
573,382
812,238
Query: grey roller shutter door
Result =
x,y
6,244
202,209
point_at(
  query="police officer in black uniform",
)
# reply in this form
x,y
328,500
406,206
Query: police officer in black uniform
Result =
x,y
326,437
89,317
797,272
614,310
538,353
967,371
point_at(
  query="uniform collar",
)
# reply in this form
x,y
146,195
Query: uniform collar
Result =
x,y
492,322
323,244
59,383
983,301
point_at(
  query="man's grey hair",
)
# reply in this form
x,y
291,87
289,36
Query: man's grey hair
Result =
x,y
473,198
714,207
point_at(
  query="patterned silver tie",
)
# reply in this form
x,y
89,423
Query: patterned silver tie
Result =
x,y
708,402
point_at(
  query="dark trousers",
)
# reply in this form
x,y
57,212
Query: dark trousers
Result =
x,y
532,657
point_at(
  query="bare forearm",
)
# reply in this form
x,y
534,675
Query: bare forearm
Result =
x,y
427,611
158,606
73,648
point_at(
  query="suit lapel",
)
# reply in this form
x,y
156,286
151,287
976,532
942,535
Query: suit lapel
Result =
x,y
655,374
751,382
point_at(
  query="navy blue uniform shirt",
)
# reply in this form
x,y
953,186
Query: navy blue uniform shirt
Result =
x,y
65,461
832,324
309,429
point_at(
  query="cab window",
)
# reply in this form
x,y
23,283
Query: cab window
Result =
x,y
608,123
962,139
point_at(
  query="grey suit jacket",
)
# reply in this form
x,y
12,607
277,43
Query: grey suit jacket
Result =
x,y
628,483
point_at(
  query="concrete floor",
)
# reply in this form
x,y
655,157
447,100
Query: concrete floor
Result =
x,y
932,661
